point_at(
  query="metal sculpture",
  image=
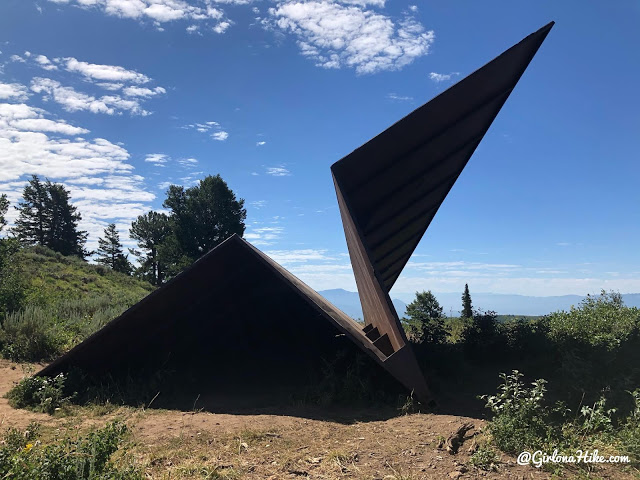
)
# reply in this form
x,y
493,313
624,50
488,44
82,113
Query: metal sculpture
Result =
x,y
388,192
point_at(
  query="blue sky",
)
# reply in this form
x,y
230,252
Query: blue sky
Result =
x,y
119,98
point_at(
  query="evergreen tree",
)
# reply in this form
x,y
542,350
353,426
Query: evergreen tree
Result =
x,y
204,215
467,310
426,316
4,206
110,252
46,217
151,231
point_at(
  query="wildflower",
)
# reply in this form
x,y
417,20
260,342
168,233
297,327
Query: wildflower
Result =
x,y
28,447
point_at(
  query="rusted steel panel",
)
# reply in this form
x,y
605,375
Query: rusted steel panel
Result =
x,y
395,183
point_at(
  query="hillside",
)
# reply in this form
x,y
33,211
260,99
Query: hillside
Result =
x,y
51,277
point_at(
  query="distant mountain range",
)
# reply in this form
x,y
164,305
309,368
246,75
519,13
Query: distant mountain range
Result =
x,y
349,302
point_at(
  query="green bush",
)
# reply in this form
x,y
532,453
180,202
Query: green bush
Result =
x,y
521,420
29,335
485,458
40,394
13,289
43,332
23,457
599,321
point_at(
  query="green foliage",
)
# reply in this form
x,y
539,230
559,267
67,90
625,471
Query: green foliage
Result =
x,y
467,310
23,457
151,230
485,458
4,206
62,300
628,438
200,218
12,284
599,321
204,215
29,335
47,218
521,421
40,394
426,318
110,252
597,418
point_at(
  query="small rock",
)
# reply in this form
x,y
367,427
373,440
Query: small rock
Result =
x,y
455,475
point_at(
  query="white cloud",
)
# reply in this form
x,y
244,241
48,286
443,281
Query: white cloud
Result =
x,y
142,91
13,91
258,203
364,3
286,257
278,171
264,235
110,86
399,98
337,36
211,127
72,100
442,77
45,63
413,8
156,11
259,144
17,58
107,73
221,27
188,162
220,136
96,171
156,158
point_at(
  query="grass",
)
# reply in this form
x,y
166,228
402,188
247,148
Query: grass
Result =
x,y
64,301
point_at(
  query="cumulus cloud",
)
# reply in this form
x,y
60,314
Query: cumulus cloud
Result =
x,y
96,171
73,101
337,36
106,73
143,92
221,27
221,136
259,144
13,91
442,77
157,11
44,62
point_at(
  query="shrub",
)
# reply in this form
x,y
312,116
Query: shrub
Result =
x,y
30,335
599,321
12,285
43,332
485,458
40,394
520,419
84,458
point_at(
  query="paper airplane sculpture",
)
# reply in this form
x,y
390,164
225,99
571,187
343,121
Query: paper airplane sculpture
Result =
x,y
247,321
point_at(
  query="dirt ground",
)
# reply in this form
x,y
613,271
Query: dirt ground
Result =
x,y
297,443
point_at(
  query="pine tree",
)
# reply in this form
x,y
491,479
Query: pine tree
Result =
x,y
151,230
426,314
46,217
110,251
4,206
467,311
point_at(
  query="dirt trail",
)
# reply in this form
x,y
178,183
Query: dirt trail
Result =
x,y
297,443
